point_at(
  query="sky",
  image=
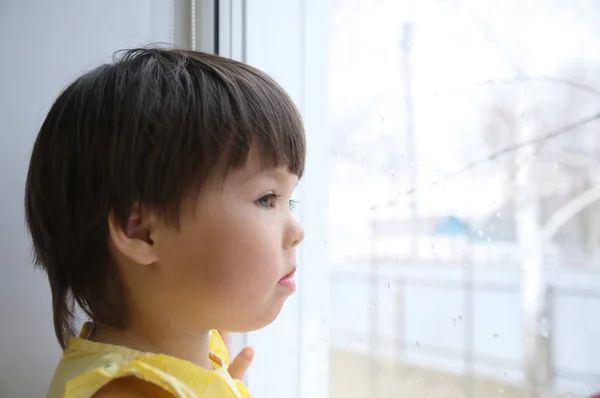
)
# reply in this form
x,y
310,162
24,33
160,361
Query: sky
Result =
x,y
456,47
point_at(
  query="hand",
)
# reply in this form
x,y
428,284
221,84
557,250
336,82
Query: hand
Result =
x,y
239,366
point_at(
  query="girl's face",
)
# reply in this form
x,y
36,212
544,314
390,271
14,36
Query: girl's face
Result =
x,y
230,264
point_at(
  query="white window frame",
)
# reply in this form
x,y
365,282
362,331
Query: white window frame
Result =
x,y
288,40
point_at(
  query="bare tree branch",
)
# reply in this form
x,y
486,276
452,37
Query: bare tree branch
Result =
x,y
511,148
529,158
551,79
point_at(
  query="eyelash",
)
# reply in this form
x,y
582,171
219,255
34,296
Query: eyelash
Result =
x,y
270,199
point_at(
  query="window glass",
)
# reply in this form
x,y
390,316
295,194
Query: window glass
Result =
x,y
463,220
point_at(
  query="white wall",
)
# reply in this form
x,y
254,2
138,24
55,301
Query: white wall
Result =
x,y
43,45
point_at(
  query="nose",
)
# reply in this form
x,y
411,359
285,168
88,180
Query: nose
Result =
x,y
295,233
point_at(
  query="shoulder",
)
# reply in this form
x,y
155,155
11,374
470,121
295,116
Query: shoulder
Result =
x,y
131,387
95,370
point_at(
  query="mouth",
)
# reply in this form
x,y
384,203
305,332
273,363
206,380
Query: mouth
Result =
x,y
290,275
288,280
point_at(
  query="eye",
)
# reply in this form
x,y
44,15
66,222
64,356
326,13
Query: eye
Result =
x,y
267,201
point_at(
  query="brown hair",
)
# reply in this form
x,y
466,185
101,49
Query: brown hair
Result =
x,y
146,128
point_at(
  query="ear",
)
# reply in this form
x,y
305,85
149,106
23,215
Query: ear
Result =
x,y
133,240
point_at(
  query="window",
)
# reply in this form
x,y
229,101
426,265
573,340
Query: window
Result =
x,y
451,200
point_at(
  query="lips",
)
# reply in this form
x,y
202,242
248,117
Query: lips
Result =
x,y
288,281
289,276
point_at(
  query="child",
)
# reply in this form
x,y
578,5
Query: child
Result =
x,y
158,201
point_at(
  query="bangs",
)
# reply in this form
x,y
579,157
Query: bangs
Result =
x,y
258,113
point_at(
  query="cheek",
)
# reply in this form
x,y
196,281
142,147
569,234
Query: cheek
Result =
x,y
244,252
224,272
231,256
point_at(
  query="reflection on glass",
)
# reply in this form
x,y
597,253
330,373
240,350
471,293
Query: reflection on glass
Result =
x,y
464,223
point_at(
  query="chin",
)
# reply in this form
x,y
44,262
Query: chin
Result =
x,y
258,322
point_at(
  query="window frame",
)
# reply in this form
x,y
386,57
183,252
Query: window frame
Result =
x,y
288,41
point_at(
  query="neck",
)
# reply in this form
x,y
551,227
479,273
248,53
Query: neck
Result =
x,y
159,339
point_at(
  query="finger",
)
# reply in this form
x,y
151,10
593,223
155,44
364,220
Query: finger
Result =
x,y
240,364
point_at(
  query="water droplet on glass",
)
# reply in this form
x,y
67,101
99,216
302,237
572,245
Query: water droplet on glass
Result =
x,y
501,390
495,335
388,285
453,321
499,214
339,155
546,333
480,233
382,119
460,317
545,328
418,344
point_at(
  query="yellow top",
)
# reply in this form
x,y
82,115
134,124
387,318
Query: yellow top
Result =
x,y
87,366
